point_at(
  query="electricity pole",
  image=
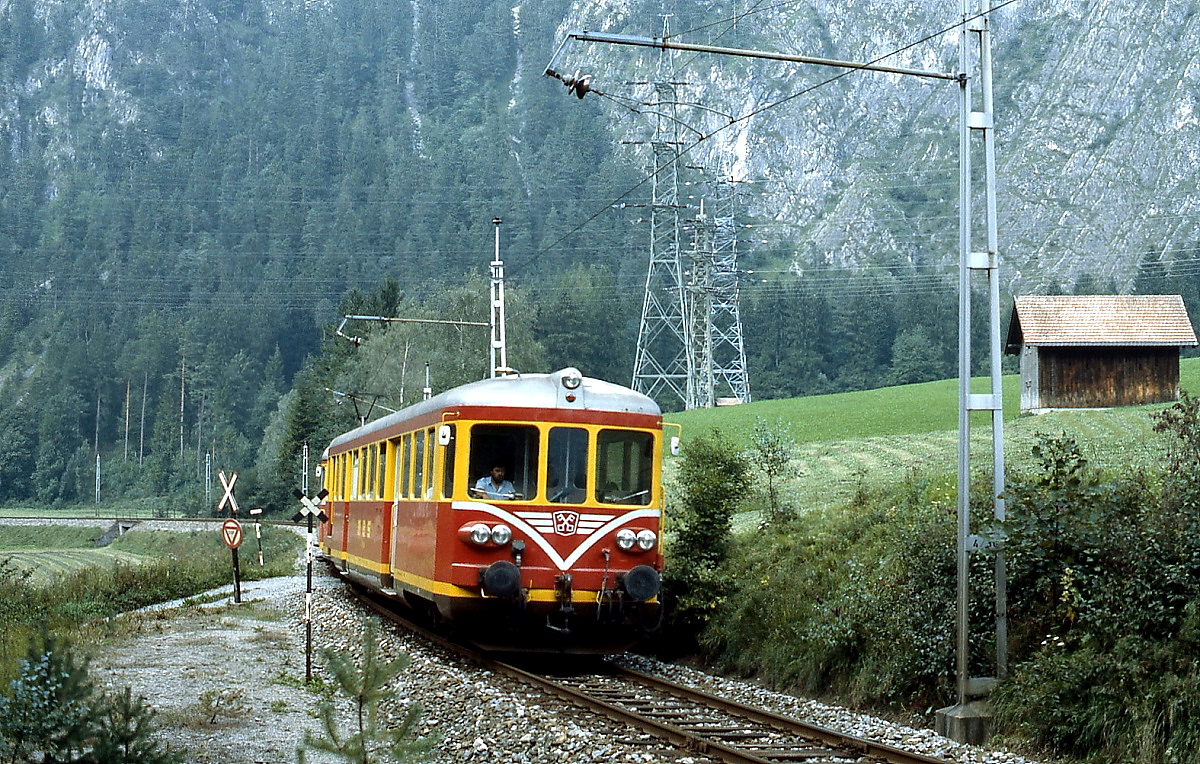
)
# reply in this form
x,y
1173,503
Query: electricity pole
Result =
x,y
970,718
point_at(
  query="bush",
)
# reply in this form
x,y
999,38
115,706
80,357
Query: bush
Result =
x,y
771,448
1104,578
1138,701
713,476
53,713
1104,601
857,602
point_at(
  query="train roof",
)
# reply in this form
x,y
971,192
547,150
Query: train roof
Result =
x,y
539,391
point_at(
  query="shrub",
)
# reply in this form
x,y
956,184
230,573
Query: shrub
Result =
x,y
771,449
1104,576
53,713
713,476
1138,701
366,686
857,602
49,706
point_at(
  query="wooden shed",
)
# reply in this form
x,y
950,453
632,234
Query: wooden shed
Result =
x,y
1097,351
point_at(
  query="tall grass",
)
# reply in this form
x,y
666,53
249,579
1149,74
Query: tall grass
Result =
x,y
854,441
167,566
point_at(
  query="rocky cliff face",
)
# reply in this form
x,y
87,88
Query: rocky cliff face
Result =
x,y
1097,126
1098,120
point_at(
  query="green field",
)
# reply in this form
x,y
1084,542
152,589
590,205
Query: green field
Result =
x,y
47,553
870,437
879,436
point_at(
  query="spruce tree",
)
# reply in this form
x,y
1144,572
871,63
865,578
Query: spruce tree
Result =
x,y
370,741
48,709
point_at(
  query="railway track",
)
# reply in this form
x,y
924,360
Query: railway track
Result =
x,y
688,719
723,729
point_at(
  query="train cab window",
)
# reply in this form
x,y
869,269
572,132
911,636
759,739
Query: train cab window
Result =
x,y
448,465
624,467
404,466
515,448
566,465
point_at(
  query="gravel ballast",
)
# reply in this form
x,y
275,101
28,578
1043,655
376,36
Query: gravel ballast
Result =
x,y
228,683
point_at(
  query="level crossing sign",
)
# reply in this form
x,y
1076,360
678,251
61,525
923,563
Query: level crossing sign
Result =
x,y
310,508
231,533
231,529
228,498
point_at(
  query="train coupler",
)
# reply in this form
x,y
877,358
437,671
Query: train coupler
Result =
x,y
562,593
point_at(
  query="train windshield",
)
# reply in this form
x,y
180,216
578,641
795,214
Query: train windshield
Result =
x,y
624,467
513,449
566,465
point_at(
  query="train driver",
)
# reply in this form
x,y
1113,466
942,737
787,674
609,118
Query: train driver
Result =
x,y
494,486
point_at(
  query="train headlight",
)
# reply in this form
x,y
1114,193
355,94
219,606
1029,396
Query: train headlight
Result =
x,y
501,535
572,378
480,534
626,539
646,540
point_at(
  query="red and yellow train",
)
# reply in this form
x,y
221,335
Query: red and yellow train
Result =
x,y
524,509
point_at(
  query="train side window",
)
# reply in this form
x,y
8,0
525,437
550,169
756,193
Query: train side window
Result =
x,y
419,463
331,478
448,465
624,466
429,476
355,477
387,469
364,487
566,465
516,448
381,470
341,477
404,467
370,454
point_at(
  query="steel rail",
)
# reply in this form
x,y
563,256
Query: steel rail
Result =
x,y
701,740
862,746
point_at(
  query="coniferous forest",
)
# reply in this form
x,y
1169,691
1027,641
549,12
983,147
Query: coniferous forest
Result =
x,y
193,195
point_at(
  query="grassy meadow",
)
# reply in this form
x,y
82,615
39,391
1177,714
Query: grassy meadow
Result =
x,y
848,440
47,553
56,576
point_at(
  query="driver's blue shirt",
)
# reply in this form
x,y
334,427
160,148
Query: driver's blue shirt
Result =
x,y
503,491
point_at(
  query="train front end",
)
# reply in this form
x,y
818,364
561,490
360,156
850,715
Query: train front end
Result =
x,y
524,509
556,535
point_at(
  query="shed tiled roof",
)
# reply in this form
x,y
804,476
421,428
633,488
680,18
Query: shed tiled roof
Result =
x,y
1101,320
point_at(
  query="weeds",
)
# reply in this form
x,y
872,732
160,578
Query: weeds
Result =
x,y
78,600
228,702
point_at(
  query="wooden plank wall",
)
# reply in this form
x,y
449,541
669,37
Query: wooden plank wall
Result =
x,y
1097,377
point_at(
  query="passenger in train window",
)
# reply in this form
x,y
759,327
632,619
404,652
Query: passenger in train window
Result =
x,y
494,486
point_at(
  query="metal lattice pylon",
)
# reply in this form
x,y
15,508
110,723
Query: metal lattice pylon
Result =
x,y
663,364
699,312
728,351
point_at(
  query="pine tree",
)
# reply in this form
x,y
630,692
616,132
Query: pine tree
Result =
x,y
49,706
367,686
124,733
